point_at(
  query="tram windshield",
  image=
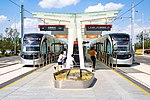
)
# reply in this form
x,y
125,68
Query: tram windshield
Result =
x,y
33,42
32,39
120,37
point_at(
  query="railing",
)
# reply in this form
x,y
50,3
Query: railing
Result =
x,y
108,59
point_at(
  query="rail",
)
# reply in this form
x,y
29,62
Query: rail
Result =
x,y
44,58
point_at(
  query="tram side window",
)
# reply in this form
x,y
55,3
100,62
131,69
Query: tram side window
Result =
x,y
50,45
44,49
108,48
57,48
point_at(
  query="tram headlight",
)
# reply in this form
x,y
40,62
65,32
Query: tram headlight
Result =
x,y
129,55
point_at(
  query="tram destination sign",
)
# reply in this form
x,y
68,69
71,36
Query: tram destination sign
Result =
x,y
51,27
98,27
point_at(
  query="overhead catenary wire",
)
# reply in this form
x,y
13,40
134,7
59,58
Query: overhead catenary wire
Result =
x,y
23,8
127,11
111,22
20,6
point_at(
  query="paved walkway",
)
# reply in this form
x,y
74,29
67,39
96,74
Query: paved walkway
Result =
x,y
108,85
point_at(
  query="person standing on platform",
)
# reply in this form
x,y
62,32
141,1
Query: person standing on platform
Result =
x,y
64,55
93,53
60,61
73,62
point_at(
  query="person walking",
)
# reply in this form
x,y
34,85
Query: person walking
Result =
x,y
73,62
60,61
64,55
93,53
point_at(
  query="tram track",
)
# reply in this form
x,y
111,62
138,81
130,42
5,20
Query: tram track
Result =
x,y
5,83
10,71
134,78
7,65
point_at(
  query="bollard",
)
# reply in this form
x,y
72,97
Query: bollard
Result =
x,y
46,59
112,62
116,60
49,58
33,60
42,61
109,60
106,59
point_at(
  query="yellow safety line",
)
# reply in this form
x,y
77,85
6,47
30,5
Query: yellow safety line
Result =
x,y
22,78
127,79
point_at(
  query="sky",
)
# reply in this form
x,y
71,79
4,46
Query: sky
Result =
x,y
10,12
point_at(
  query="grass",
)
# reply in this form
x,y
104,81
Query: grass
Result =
x,y
138,52
75,73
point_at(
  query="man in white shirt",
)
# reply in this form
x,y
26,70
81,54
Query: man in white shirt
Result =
x,y
73,62
60,61
64,55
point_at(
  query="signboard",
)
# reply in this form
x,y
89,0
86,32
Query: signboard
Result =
x,y
51,27
61,36
91,36
98,27
65,32
92,32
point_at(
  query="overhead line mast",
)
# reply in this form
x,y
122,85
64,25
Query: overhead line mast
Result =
x,y
132,29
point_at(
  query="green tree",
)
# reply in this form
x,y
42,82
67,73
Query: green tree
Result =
x,y
13,35
139,44
6,44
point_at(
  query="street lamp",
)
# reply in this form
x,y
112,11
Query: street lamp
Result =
x,y
142,21
132,29
142,24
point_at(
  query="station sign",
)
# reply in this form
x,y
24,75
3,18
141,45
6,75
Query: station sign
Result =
x,y
98,27
92,32
91,36
61,36
65,32
51,27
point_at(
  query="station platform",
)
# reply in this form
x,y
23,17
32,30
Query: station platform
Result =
x,y
39,85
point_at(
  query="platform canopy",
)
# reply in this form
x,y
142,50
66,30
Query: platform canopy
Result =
x,y
76,22
54,18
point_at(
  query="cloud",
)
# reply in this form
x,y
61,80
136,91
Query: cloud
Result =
x,y
126,29
30,25
57,3
2,18
108,6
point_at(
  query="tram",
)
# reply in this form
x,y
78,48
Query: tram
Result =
x,y
37,46
114,48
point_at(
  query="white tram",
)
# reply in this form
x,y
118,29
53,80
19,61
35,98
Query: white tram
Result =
x,y
114,48
36,47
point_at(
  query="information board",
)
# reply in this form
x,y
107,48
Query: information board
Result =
x,y
98,27
51,27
